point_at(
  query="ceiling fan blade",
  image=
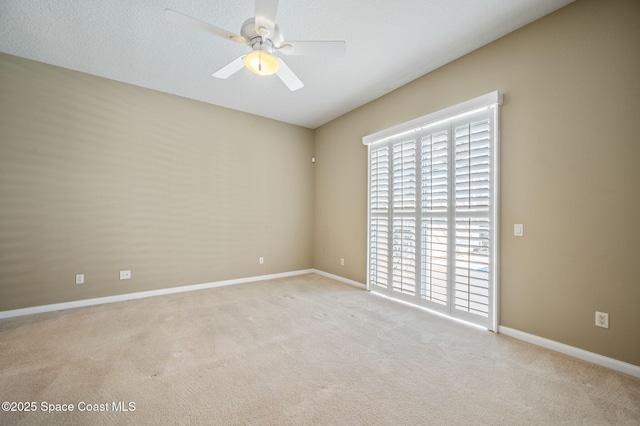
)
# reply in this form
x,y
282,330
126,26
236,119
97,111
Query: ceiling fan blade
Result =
x,y
179,18
313,48
288,77
266,16
230,69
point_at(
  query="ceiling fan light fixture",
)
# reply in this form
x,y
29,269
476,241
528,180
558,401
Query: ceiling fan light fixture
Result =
x,y
261,63
264,37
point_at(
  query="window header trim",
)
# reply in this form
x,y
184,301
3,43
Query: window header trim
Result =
x,y
485,101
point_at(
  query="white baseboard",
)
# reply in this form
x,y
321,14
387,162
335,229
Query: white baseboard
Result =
x,y
614,364
143,294
341,279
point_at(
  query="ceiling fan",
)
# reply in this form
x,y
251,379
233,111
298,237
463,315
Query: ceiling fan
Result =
x,y
263,36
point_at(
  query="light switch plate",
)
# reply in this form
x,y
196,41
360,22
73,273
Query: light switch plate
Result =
x,y
518,230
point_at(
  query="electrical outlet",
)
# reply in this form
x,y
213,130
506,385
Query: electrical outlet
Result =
x,y
602,319
341,262
261,260
79,278
125,275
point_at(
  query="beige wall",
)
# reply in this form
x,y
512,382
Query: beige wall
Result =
x,y
570,172
98,176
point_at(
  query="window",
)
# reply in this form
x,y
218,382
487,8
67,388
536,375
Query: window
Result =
x,y
433,206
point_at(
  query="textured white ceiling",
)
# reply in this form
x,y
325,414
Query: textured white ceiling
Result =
x,y
389,43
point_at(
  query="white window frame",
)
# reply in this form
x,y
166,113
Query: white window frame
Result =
x,y
489,103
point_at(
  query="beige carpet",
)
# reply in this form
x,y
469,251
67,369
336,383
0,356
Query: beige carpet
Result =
x,y
300,350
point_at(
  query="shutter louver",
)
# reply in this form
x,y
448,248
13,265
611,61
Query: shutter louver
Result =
x,y
379,251
434,260
404,255
380,180
404,177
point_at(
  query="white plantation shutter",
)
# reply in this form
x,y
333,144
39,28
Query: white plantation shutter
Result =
x,y
405,188
433,192
434,206
472,206
379,232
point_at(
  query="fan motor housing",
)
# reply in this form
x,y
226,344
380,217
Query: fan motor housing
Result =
x,y
250,32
